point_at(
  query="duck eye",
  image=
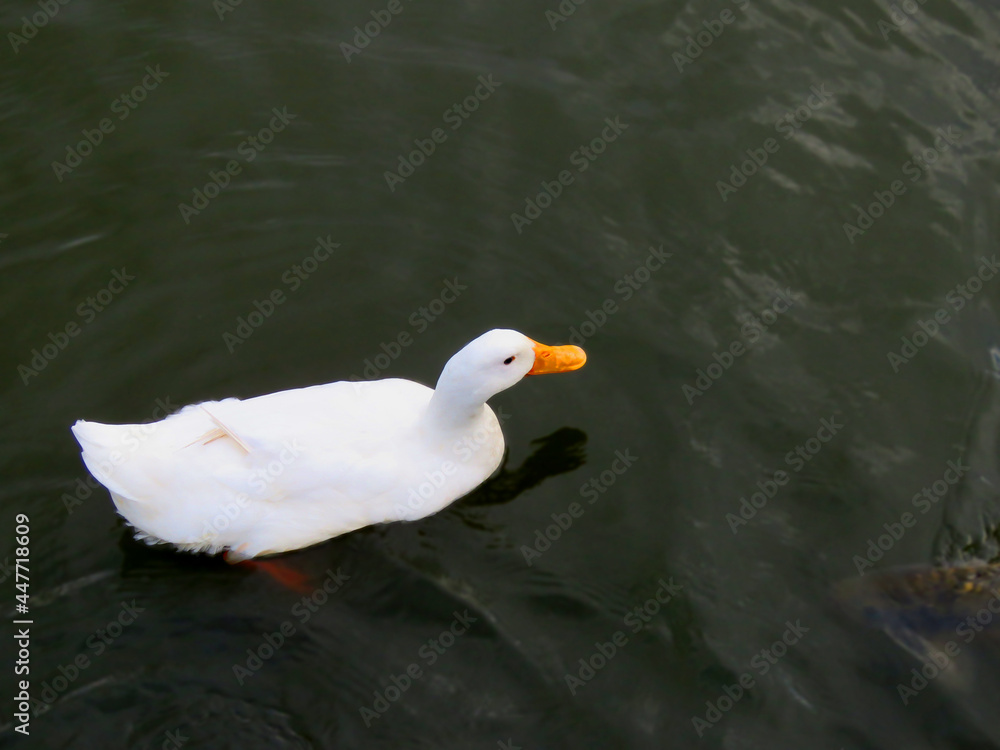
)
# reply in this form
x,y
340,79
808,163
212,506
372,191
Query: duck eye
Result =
x,y
509,360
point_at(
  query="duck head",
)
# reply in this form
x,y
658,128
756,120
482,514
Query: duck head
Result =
x,y
494,362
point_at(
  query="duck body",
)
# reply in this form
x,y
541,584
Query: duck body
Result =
x,y
290,469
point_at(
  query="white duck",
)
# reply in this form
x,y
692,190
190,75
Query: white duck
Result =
x,y
290,469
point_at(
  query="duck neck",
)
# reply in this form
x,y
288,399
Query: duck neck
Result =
x,y
454,407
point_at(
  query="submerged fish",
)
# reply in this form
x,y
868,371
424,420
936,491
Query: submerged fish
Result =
x,y
920,605
947,615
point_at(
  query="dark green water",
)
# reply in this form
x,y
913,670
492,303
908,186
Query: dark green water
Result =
x,y
756,354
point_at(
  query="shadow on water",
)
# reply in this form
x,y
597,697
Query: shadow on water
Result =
x,y
558,453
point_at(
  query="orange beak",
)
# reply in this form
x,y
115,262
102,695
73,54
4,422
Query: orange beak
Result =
x,y
556,358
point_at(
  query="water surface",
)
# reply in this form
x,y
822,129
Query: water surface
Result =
x,y
740,209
